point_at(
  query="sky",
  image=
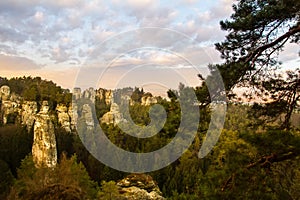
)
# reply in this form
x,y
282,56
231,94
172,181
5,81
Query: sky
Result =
x,y
111,44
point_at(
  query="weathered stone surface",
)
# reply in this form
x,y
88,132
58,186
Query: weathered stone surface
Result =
x,y
113,116
4,92
139,186
76,93
63,117
29,110
89,94
7,108
73,113
106,95
44,144
88,116
147,100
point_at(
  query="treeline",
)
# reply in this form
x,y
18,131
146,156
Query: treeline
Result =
x,y
37,89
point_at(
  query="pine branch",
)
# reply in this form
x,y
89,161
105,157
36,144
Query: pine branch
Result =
x,y
263,162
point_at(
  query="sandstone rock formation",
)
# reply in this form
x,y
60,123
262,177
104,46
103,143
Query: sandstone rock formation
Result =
x,y
139,186
147,100
9,108
29,110
4,92
87,115
89,94
44,144
76,93
73,113
63,117
106,95
113,116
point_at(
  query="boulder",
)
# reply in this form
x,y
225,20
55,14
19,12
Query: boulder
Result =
x,y
139,186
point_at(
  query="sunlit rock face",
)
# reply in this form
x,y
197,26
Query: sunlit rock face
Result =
x,y
73,113
88,116
113,116
89,94
63,117
29,110
147,101
44,144
4,93
106,95
9,107
140,186
76,93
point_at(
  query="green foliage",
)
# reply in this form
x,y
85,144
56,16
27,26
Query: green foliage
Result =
x,y
6,179
257,33
109,191
68,180
36,89
252,159
15,144
101,107
137,95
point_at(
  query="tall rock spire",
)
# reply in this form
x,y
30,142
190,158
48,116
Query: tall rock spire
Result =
x,y
44,144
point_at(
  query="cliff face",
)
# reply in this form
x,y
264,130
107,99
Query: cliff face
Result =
x,y
113,116
147,101
44,144
14,109
28,112
63,117
106,95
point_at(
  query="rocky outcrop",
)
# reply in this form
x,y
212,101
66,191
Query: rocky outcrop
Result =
x,y
63,117
4,93
76,93
72,112
29,110
44,144
113,116
148,100
89,94
139,186
106,95
87,115
13,106
9,109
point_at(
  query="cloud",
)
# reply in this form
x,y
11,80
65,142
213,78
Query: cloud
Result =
x,y
8,50
223,9
135,5
13,63
64,33
8,34
291,52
